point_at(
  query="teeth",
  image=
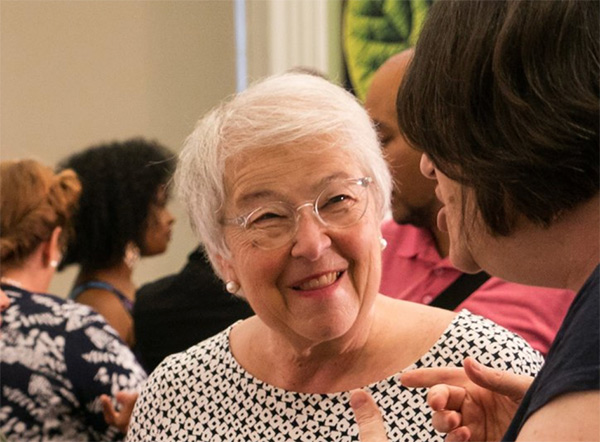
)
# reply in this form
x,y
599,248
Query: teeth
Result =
x,y
321,281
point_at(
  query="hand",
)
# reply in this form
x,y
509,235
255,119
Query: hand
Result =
x,y
119,419
370,423
470,403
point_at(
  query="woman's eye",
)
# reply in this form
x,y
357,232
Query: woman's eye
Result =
x,y
267,216
336,200
267,219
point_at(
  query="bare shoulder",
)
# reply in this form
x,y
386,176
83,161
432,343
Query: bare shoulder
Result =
x,y
572,416
100,300
401,321
414,316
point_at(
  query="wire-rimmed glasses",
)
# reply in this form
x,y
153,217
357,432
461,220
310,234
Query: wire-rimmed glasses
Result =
x,y
341,204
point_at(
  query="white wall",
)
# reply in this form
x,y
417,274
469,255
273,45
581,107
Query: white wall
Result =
x,y
287,33
74,73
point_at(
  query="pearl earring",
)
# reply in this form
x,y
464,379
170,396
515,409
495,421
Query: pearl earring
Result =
x,y
54,263
383,243
132,254
232,287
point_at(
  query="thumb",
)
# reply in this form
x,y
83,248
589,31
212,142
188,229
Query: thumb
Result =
x,y
503,382
368,417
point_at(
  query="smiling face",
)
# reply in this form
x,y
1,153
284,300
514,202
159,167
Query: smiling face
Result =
x,y
159,225
413,197
316,287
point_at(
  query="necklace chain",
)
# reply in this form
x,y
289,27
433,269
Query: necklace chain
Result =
x,y
10,281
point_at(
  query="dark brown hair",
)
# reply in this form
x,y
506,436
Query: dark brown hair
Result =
x,y
503,97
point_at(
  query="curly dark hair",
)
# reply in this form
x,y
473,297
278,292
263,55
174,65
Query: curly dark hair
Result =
x,y
120,180
503,97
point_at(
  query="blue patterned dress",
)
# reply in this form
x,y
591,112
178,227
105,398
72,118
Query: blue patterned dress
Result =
x,y
56,358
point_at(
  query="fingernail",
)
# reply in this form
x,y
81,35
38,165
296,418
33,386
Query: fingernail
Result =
x,y
476,365
357,399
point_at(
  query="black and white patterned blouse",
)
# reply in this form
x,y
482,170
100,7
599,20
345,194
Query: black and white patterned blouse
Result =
x,y
203,394
56,358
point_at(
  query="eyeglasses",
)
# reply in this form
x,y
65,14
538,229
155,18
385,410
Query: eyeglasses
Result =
x,y
341,204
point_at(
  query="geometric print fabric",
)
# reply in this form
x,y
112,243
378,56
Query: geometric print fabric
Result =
x,y
203,394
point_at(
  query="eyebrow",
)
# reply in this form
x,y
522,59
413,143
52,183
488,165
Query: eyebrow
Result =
x,y
273,195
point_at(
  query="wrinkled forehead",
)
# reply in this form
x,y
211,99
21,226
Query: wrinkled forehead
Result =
x,y
299,169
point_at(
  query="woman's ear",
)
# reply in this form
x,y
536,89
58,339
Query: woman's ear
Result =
x,y
52,249
225,268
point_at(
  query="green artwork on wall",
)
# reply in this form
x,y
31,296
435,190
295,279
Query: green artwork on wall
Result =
x,y
374,30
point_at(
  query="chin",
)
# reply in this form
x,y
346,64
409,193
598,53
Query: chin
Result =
x,y
155,251
464,262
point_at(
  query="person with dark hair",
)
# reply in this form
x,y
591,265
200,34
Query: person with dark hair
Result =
x,y
175,312
122,215
415,263
503,98
60,361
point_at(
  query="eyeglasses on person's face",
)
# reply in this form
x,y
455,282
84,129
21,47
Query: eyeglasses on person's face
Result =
x,y
341,204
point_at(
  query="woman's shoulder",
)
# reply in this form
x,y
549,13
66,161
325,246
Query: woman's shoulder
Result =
x,y
63,311
210,352
491,344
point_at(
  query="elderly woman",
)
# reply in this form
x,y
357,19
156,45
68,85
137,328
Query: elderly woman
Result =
x,y
57,358
287,187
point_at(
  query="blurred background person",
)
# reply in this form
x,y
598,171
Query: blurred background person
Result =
x,y
180,310
122,215
416,266
287,187
57,358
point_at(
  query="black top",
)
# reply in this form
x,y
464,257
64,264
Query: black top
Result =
x,y
573,361
180,310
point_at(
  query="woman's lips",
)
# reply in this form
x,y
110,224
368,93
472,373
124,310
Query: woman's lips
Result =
x,y
318,282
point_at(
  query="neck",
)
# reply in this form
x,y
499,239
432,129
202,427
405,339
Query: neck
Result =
x,y
293,363
562,255
365,354
36,281
120,276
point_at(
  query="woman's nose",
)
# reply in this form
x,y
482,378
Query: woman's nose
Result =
x,y
427,167
311,237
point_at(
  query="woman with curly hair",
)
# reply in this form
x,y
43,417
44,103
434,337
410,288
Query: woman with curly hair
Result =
x,y
122,215
60,361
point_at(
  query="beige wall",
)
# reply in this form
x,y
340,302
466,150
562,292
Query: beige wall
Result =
x,y
74,73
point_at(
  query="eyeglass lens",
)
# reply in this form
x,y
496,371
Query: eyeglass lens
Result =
x,y
341,204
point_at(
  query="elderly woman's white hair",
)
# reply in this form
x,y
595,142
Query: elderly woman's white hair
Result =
x,y
282,110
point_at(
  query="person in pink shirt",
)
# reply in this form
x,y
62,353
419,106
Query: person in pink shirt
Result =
x,y
415,263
